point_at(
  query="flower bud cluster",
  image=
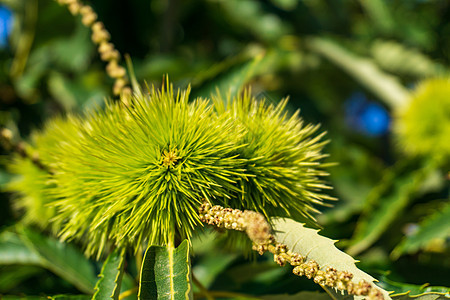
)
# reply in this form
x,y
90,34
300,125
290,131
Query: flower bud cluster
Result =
x,y
259,231
101,37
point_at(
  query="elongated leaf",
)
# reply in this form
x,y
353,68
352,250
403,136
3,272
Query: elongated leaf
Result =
x,y
62,259
210,266
108,286
310,244
166,273
57,297
425,296
379,13
305,295
399,59
24,298
251,16
14,251
400,288
228,77
436,226
386,202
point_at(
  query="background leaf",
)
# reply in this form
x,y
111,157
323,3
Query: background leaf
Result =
x,y
108,286
425,296
61,258
434,227
14,251
57,297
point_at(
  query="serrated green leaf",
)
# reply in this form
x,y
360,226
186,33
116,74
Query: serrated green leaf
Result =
x,y
62,259
435,226
379,13
14,251
166,273
386,87
108,286
310,244
251,16
385,203
398,58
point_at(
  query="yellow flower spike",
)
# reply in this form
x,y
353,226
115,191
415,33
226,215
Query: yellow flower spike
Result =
x,y
101,37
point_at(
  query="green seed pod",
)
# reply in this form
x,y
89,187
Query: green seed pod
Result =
x,y
282,158
423,127
130,174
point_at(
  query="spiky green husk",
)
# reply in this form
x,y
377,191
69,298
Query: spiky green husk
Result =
x,y
423,127
124,175
33,183
282,158
30,197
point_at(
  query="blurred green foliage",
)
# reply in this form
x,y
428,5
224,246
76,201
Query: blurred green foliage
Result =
x,y
345,64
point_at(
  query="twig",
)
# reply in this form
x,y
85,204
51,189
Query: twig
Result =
x,y
6,137
225,294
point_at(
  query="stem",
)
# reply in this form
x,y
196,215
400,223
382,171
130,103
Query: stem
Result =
x,y
202,288
385,86
128,293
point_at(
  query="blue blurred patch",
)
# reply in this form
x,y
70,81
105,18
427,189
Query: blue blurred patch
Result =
x,y
365,116
6,22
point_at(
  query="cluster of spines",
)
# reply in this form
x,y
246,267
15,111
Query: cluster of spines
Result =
x,y
279,151
259,231
174,152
